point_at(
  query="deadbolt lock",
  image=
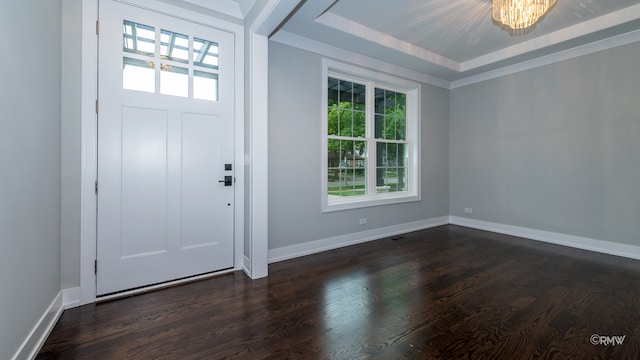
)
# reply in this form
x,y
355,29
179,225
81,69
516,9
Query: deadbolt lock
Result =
x,y
228,180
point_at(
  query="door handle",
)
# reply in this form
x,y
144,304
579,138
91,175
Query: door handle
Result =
x,y
228,180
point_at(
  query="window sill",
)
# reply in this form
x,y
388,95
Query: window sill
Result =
x,y
340,204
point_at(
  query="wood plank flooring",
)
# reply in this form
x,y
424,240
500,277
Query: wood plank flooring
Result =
x,y
444,293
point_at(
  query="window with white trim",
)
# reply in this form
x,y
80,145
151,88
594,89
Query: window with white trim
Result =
x,y
169,63
370,138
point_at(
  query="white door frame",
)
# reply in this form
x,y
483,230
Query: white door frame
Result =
x,y
259,25
89,164
254,159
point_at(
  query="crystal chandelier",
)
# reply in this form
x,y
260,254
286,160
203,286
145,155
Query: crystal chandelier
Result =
x,y
520,14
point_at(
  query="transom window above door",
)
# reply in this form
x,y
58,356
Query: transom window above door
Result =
x,y
165,62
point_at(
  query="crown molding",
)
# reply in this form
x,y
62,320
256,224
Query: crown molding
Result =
x,y
246,6
600,23
347,26
572,32
228,7
590,48
343,55
331,51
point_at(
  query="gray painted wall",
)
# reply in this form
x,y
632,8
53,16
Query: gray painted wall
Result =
x,y
295,94
29,166
555,148
71,132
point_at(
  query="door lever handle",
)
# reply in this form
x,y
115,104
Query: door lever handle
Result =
x,y
228,180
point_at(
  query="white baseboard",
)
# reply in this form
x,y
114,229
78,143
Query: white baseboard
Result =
x,y
601,246
71,298
38,335
316,246
246,265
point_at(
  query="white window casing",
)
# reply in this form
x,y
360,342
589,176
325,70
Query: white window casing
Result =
x,y
372,80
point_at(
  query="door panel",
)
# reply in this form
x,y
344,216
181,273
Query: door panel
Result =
x,y
165,133
144,180
199,206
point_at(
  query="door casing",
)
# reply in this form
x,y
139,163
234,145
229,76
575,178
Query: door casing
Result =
x,y
89,134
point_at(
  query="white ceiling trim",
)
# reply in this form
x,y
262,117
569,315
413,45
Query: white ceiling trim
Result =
x,y
271,16
246,6
600,23
334,52
347,26
364,32
184,14
601,45
228,7
343,55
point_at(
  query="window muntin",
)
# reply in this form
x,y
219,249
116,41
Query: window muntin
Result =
x,y
390,134
205,53
174,80
346,173
174,46
346,119
371,143
138,38
138,75
169,63
205,85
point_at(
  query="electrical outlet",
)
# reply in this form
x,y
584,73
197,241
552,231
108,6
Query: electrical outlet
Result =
x,y
363,221
468,210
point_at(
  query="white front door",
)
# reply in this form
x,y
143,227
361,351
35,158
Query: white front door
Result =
x,y
165,140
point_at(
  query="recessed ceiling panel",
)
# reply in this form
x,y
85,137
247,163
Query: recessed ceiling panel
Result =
x,y
463,29
454,39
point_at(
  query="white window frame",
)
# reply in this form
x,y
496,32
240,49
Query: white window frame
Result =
x,y
372,79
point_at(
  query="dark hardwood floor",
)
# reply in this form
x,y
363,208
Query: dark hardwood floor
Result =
x,y
443,293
